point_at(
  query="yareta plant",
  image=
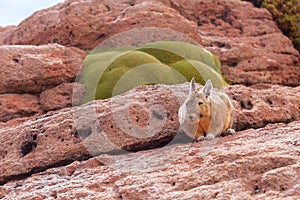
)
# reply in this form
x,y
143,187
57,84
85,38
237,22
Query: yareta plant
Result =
x,y
109,72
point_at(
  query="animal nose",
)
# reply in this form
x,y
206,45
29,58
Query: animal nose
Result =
x,y
191,117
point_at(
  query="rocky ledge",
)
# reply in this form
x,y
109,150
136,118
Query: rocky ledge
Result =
x,y
144,118
253,164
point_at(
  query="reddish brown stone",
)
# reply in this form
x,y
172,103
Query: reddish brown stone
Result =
x,y
5,32
112,125
33,69
253,164
62,96
85,24
240,34
36,151
268,104
77,133
246,39
18,106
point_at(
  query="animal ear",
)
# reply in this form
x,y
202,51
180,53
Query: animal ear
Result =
x,y
192,85
207,88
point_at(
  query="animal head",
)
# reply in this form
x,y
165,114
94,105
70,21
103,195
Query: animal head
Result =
x,y
196,105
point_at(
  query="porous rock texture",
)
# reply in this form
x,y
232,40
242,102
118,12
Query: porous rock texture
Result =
x,y
251,47
18,106
143,118
62,96
253,164
33,69
129,146
36,79
240,34
85,24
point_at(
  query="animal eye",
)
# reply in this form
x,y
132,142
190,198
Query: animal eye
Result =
x,y
200,103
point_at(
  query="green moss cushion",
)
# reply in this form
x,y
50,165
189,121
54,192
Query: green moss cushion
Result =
x,y
200,71
179,51
109,72
147,74
94,66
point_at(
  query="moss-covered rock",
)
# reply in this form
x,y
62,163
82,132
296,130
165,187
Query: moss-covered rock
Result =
x,y
109,72
287,15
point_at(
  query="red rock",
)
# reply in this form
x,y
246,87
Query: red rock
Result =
x,y
253,164
55,138
62,96
267,104
143,118
18,106
240,34
266,65
85,24
5,32
251,47
17,121
37,152
33,69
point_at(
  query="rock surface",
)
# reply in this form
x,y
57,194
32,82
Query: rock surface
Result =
x,y
62,96
61,137
18,106
253,164
5,32
243,36
240,34
60,24
262,104
33,69
143,118
46,149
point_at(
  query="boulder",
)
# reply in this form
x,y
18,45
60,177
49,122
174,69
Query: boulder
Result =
x,y
85,24
32,69
253,164
143,118
18,106
77,133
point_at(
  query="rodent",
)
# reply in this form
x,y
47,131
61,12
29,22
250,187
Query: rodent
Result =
x,y
207,113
